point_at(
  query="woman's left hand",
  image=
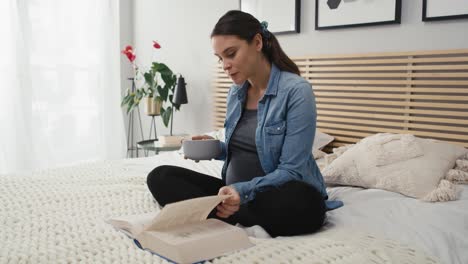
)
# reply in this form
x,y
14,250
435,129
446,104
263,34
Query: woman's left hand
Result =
x,y
230,205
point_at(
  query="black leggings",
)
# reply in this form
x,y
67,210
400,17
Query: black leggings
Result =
x,y
294,208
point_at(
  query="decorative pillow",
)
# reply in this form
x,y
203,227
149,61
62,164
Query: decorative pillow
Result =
x,y
399,163
329,158
462,164
460,173
318,154
457,176
321,140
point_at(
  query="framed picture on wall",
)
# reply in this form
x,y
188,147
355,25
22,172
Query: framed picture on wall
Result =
x,y
442,10
283,16
331,14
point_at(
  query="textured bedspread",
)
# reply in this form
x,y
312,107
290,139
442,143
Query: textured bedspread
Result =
x,y
58,216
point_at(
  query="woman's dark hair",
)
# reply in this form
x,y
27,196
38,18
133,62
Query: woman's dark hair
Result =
x,y
245,26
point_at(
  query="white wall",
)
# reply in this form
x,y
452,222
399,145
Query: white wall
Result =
x,y
183,28
412,34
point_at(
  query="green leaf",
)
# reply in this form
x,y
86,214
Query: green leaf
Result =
x,y
139,96
166,115
169,80
149,78
130,105
163,93
129,99
125,100
155,66
161,68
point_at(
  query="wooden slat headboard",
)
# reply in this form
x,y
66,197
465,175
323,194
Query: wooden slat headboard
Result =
x,y
424,93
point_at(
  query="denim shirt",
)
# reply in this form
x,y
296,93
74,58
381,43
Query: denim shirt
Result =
x,y
286,117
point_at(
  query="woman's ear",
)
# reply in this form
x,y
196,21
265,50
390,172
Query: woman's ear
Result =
x,y
258,42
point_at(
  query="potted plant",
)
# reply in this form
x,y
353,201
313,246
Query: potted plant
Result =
x,y
157,87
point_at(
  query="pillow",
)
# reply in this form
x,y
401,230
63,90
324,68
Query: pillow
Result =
x,y
318,154
400,163
459,174
321,140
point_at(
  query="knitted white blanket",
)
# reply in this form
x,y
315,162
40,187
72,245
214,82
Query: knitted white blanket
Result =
x,y
58,216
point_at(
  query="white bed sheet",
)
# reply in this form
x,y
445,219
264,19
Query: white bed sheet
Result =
x,y
440,229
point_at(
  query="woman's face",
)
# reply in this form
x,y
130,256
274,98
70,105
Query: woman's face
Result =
x,y
239,59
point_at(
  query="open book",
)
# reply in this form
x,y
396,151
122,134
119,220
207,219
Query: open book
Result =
x,y
182,233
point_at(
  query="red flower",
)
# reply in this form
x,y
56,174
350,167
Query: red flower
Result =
x,y
156,45
129,48
128,51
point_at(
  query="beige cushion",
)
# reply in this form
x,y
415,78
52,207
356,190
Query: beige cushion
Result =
x,y
459,174
399,163
318,154
321,140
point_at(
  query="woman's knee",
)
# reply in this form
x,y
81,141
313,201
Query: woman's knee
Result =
x,y
159,179
156,176
311,208
295,208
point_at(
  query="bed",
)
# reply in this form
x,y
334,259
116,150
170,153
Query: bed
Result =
x,y
59,215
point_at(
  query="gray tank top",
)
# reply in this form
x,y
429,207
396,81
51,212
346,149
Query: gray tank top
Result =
x,y
244,164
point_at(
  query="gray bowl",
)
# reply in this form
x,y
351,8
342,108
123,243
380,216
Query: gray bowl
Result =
x,y
204,149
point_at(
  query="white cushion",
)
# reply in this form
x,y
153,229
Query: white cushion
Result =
x,y
459,174
400,163
318,154
321,140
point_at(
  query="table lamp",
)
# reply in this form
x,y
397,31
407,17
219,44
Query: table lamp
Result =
x,y
180,96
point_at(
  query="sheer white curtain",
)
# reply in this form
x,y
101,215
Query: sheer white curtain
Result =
x,y
59,83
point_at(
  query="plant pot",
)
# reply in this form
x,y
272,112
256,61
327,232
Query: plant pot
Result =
x,y
153,107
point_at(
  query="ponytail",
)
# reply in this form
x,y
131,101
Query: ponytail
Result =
x,y
276,55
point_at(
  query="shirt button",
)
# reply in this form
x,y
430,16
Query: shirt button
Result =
x,y
246,196
278,128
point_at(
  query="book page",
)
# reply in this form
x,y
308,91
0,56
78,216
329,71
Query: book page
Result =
x,y
133,224
184,212
194,231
